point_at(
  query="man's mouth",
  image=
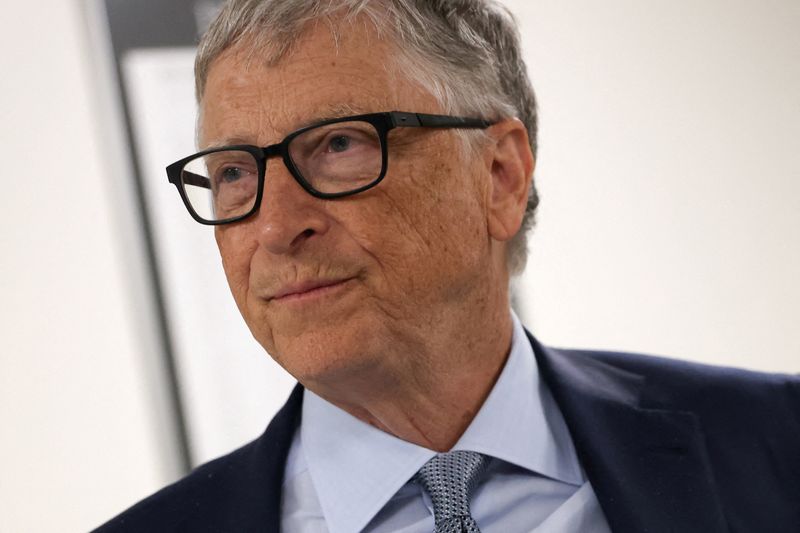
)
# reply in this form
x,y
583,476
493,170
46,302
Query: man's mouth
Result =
x,y
306,289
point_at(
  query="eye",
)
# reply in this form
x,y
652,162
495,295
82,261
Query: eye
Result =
x,y
231,174
340,143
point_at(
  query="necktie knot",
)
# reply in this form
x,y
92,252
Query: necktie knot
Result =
x,y
449,479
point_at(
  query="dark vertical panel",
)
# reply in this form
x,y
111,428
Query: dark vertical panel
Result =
x,y
151,23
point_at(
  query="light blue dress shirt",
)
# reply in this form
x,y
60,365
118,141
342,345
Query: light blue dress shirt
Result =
x,y
345,476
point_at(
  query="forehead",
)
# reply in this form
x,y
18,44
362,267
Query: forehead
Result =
x,y
323,76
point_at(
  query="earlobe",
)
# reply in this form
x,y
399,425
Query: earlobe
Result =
x,y
511,171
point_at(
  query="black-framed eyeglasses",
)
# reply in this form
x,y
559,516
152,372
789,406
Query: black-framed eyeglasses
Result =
x,y
330,159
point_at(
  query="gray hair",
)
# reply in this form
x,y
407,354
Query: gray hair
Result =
x,y
466,53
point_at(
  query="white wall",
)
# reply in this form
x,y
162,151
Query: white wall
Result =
x,y
670,222
669,173
81,434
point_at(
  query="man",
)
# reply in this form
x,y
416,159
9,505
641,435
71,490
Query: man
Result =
x,y
368,166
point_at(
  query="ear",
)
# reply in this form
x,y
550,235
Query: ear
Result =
x,y
511,171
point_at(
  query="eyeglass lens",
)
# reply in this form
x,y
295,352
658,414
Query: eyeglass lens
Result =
x,y
333,158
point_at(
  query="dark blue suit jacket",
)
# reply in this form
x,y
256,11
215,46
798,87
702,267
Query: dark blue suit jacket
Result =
x,y
668,446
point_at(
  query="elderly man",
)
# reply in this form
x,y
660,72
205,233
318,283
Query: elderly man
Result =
x,y
367,166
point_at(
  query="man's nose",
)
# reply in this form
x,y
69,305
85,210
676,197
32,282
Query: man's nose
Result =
x,y
289,217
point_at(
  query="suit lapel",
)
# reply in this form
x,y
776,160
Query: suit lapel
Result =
x,y
267,465
648,466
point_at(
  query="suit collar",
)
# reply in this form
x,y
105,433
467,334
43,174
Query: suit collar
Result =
x,y
267,466
648,465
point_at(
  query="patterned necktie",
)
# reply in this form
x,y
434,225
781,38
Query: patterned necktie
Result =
x,y
450,478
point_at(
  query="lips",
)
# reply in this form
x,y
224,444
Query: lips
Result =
x,y
306,287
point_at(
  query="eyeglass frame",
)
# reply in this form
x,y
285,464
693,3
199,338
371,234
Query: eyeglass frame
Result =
x,y
382,122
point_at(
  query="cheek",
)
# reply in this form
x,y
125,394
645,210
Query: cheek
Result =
x,y
446,209
235,254
427,221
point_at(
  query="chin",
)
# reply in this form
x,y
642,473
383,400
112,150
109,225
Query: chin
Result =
x,y
330,353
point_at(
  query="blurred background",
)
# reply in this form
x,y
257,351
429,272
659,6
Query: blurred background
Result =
x,y
669,172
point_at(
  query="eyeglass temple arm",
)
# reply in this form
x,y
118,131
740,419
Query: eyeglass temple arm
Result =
x,y
401,119
190,178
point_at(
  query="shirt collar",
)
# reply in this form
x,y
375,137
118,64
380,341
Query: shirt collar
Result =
x,y
356,468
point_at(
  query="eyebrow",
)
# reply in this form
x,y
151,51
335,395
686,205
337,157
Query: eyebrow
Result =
x,y
227,141
328,112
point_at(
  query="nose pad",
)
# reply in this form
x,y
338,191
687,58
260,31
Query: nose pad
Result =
x,y
288,217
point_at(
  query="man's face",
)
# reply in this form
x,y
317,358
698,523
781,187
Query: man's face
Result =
x,y
331,287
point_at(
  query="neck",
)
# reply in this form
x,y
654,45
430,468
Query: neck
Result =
x,y
431,387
